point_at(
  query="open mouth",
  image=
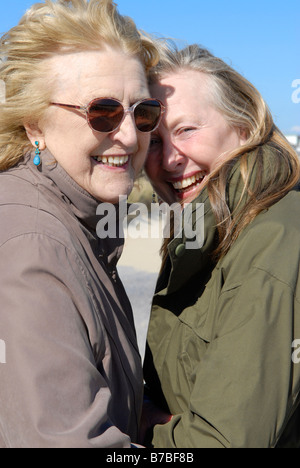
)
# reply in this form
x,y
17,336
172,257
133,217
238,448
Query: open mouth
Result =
x,y
188,184
112,161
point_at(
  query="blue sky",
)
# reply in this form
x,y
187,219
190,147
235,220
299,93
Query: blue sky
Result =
x,y
261,39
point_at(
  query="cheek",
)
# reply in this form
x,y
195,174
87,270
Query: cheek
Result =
x,y
68,134
153,167
141,156
227,140
207,150
75,146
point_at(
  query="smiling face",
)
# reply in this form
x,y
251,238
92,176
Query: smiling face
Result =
x,y
192,138
105,165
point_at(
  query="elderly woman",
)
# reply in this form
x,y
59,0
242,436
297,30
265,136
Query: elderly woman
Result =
x,y
225,315
74,132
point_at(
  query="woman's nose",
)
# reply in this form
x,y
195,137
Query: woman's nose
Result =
x,y
172,157
127,133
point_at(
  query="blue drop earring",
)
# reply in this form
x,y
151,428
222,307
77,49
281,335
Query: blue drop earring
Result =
x,y
37,159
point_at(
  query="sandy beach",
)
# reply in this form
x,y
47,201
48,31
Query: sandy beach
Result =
x,y
138,269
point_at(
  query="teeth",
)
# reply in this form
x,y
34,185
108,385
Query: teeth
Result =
x,y
114,161
185,183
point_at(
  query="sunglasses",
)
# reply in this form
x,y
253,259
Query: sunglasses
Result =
x,y
106,115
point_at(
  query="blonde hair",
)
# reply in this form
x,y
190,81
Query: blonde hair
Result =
x,y
243,107
44,31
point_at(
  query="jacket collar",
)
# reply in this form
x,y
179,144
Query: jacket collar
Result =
x,y
185,258
79,203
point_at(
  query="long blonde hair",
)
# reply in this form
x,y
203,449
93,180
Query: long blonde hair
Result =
x,y
242,106
45,30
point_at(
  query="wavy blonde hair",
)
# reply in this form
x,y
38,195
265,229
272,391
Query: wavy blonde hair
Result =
x,y
44,31
243,107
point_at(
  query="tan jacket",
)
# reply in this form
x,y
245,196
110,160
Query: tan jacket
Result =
x,y
73,375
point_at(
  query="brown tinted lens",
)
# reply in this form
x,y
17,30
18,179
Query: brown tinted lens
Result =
x,y
147,115
105,115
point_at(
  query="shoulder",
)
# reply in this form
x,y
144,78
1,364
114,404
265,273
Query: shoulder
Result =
x,y
20,210
271,243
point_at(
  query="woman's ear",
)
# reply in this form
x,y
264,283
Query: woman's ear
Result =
x,y
34,134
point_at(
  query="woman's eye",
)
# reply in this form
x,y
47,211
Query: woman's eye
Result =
x,y
155,142
186,130
183,132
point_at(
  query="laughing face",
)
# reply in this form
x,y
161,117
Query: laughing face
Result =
x,y
105,165
191,140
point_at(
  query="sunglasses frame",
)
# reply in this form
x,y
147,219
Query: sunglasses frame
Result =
x,y
130,110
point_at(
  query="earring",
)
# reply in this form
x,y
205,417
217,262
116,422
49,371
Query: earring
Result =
x,y
37,159
154,198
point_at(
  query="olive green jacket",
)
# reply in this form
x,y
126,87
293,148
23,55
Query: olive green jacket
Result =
x,y
220,338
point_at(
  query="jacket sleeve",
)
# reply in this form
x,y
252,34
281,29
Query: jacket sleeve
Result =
x,y
244,388
51,392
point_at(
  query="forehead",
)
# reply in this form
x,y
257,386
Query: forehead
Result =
x,y
185,95
181,87
109,72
